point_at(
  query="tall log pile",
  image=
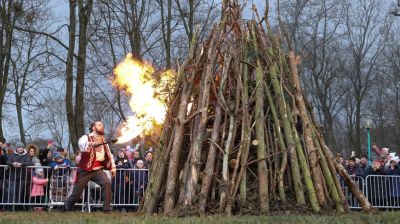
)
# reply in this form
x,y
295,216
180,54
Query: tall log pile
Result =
x,y
239,135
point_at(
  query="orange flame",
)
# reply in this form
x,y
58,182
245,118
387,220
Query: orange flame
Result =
x,y
146,101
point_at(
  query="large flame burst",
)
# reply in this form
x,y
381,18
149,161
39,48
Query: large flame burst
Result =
x,y
146,98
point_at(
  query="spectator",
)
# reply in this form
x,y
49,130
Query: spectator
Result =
x,y
385,154
363,162
377,188
62,151
341,160
45,157
33,154
120,180
60,162
131,151
78,158
136,157
375,169
140,175
3,173
353,169
127,153
38,181
148,159
17,186
376,155
393,182
51,146
3,155
9,149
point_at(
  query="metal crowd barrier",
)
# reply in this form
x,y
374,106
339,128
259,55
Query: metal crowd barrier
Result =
x,y
22,188
383,191
128,188
351,200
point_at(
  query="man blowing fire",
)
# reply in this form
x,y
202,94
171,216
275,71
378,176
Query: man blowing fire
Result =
x,y
96,156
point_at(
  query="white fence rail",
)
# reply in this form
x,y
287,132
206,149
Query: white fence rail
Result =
x,y
24,187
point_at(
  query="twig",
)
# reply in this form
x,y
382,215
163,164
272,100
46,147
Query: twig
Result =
x,y
216,144
257,160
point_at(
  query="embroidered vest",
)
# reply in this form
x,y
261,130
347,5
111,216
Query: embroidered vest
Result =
x,y
88,159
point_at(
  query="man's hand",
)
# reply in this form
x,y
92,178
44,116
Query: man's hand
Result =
x,y
113,172
92,144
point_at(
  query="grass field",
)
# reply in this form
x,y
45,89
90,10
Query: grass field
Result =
x,y
116,218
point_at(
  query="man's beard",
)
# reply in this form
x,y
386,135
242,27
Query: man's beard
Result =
x,y
100,132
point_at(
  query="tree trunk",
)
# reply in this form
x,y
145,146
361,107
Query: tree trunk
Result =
x,y
259,129
246,132
307,131
201,121
176,149
287,129
69,77
282,146
85,12
18,107
6,34
135,36
365,205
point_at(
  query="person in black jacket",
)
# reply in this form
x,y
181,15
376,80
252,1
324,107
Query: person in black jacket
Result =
x,y
18,174
119,182
140,180
376,182
3,174
3,155
353,169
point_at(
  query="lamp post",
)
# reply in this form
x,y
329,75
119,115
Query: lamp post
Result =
x,y
368,124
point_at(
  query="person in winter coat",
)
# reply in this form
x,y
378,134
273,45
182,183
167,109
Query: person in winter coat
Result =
x,y
363,162
136,157
119,182
17,174
33,151
45,157
353,169
60,165
3,155
376,182
393,182
3,169
38,186
140,176
148,159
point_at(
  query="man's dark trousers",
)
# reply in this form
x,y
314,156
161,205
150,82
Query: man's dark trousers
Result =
x,y
97,176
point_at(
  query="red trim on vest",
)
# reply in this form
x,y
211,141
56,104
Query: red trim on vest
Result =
x,y
85,158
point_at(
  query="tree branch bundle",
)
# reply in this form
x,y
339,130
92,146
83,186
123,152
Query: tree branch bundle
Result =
x,y
240,137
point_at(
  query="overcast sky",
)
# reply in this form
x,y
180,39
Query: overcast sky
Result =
x,y
60,12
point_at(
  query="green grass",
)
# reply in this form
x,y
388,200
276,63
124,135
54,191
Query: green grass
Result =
x,y
116,218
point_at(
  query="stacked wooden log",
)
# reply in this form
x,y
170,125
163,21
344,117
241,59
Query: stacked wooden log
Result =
x,y
239,133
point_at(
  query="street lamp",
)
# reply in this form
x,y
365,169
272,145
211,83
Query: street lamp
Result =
x,y
368,124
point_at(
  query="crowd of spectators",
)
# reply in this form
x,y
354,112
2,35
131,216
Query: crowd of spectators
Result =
x,y
380,187
19,184
383,162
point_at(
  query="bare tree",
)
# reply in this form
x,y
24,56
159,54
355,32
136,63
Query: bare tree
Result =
x,y
10,12
75,113
366,34
319,40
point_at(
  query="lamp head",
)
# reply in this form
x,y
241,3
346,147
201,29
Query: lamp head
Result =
x,y
368,123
